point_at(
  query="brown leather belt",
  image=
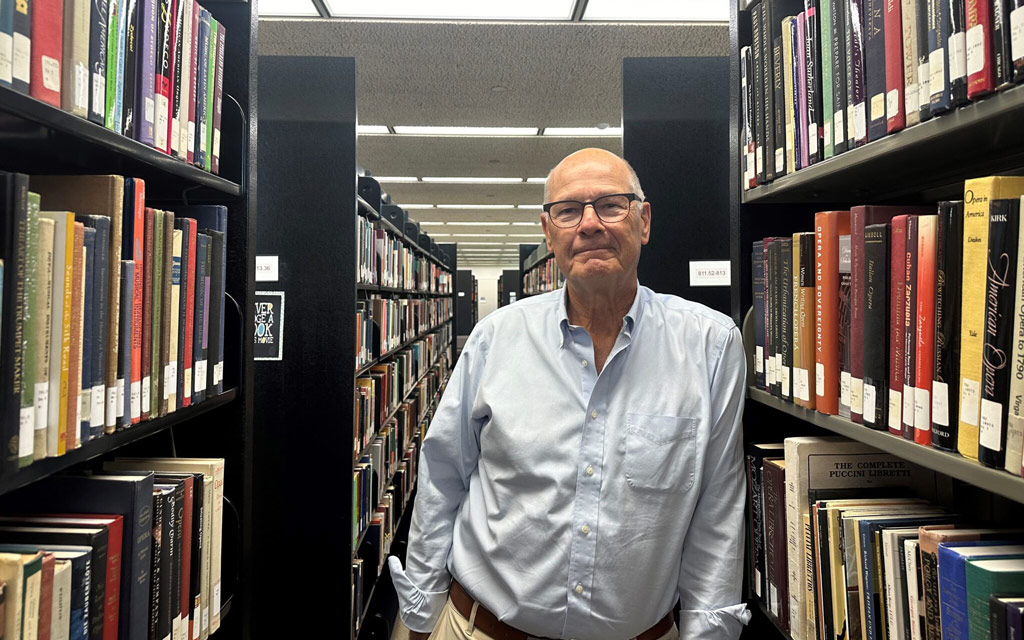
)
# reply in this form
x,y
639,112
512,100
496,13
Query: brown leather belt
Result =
x,y
489,624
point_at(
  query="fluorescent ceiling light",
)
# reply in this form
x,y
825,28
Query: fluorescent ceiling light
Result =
x,y
536,180
491,243
479,224
431,224
364,129
658,10
531,207
526,224
395,179
583,132
525,235
453,9
416,206
287,8
465,131
478,235
476,206
475,180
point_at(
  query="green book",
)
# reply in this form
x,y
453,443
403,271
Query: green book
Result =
x,y
29,338
825,11
114,9
211,76
984,578
31,591
158,274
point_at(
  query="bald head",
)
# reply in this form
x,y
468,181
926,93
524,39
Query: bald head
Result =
x,y
590,159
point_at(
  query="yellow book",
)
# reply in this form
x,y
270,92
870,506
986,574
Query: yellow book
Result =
x,y
60,329
787,78
977,195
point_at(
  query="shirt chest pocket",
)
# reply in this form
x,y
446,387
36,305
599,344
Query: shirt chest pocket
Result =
x,y
660,452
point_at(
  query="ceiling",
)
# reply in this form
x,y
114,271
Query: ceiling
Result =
x,y
494,74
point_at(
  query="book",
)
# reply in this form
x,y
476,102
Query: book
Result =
x,y
923,60
827,84
211,77
757,89
187,356
910,328
857,82
747,142
941,55
181,610
174,108
977,195
116,21
101,294
144,129
876,324
813,79
156,334
954,562
47,29
174,313
199,350
124,395
803,314
29,335
980,47
133,248
1002,66
74,95
1015,399
948,264
147,312
21,59
89,334
166,313
999,612
61,297
15,214
162,78
99,13
846,390
189,137
800,82
985,577
789,90
840,123
786,316
61,608
908,19
132,58
758,294
202,68
218,101
957,52
895,63
779,104
897,322
924,354
64,438
757,571
776,548
42,327
875,66
829,226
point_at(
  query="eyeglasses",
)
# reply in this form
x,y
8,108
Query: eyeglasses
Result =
x,y
611,208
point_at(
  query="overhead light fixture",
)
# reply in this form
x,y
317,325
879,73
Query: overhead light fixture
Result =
x,y
658,10
431,224
478,235
287,8
476,206
478,224
584,132
453,9
464,131
536,180
525,235
473,180
395,179
367,129
527,224
487,243
530,207
416,206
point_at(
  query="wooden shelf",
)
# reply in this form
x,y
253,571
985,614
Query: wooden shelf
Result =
x,y
978,139
40,138
107,443
951,464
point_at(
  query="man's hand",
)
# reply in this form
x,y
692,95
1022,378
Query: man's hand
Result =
x,y
416,635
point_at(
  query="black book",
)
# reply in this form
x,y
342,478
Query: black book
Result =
x,y
1017,60
157,561
1000,291
757,49
845,352
768,89
874,68
757,292
910,325
948,269
957,52
199,352
1002,67
756,453
132,58
22,46
876,325
786,315
174,526
924,59
856,90
779,104
840,123
796,46
100,288
747,137
14,211
769,317
95,537
98,61
812,55
940,57
215,312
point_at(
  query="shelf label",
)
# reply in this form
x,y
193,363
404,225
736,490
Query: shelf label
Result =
x,y
895,406
856,395
991,425
819,379
268,338
266,268
870,399
710,273
845,382
940,403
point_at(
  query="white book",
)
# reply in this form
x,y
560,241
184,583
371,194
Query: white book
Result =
x,y
60,617
1015,415
12,572
64,225
46,438
892,548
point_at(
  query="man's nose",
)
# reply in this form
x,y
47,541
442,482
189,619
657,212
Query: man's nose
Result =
x,y
591,222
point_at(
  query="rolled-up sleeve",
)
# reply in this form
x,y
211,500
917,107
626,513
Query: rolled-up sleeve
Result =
x,y
710,577
450,453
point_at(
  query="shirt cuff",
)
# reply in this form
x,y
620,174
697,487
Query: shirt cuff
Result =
x,y
419,609
726,622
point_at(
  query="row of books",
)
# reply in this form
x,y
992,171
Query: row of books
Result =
x,y
847,541
114,310
385,260
546,277
151,70
904,319
383,324
381,391
132,552
826,76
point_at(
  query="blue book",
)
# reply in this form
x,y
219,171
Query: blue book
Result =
x,y
953,580
124,355
202,66
214,218
145,70
88,333
199,350
97,413
6,41
81,579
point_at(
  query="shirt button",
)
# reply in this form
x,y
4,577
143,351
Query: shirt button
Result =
x,y
590,470
593,414
584,529
579,588
584,363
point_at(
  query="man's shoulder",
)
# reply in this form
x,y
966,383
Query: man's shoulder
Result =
x,y
688,310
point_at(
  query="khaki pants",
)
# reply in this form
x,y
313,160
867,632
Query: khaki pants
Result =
x,y
453,626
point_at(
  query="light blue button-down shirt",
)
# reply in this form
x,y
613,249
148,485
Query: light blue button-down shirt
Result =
x,y
573,504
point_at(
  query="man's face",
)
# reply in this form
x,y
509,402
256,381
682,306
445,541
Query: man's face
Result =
x,y
595,251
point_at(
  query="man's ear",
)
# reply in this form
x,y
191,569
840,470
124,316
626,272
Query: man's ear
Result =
x,y
645,222
544,228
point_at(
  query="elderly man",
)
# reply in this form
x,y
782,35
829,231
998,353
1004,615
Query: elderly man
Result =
x,y
583,471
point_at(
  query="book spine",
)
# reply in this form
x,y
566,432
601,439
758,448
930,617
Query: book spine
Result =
x,y
827,90
174,114
766,79
911,101
857,98
47,31
190,295
166,313
747,139
845,341
769,319
156,319
98,35
981,78
957,51
136,252
21,60
201,83
174,305
156,565
876,329
788,38
211,73
939,35
74,97
758,28
777,286
218,103
800,69
202,280
88,339
815,122
875,67
1015,417
952,595
827,329
804,369
46,429
162,76
840,123
924,89
182,306
948,265
193,63
29,342
857,302
115,23
924,357
131,43
6,42
897,331
184,75
205,330
1002,68
775,544
779,105
145,391
797,347
145,86
896,117
104,350
124,394
910,327
1003,234
786,315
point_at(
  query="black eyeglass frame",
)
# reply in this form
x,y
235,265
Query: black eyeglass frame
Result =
x,y
631,196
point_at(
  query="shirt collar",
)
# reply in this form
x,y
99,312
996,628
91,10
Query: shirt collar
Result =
x,y
631,318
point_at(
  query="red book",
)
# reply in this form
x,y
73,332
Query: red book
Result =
x,y
47,50
909,327
162,79
897,331
828,226
46,597
138,253
924,359
190,152
895,110
147,313
980,75
190,295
